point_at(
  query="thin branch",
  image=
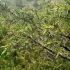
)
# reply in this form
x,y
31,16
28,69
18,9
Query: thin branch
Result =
x,y
65,47
65,36
48,49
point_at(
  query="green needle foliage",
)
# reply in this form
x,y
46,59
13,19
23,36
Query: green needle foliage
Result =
x,y
34,36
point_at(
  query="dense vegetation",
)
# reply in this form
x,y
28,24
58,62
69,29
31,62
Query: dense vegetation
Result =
x,y
34,35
